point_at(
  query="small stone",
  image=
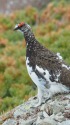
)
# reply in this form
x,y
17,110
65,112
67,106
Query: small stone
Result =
x,y
67,122
59,117
38,120
18,113
68,96
26,122
65,102
48,121
42,107
57,108
45,114
10,122
67,107
67,115
40,114
48,109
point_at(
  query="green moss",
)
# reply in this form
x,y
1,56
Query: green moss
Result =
x,y
12,36
62,45
6,22
9,103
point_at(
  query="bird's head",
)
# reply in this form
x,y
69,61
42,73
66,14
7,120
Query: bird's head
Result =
x,y
23,27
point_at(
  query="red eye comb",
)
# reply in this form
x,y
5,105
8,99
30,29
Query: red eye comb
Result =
x,y
21,24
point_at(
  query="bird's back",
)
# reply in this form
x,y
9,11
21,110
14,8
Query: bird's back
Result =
x,y
50,61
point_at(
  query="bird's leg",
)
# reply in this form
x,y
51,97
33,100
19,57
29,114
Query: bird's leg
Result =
x,y
39,96
42,96
47,96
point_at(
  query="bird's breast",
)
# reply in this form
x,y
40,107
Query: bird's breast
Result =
x,y
33,75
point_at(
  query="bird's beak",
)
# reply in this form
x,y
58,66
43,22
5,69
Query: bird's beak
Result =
x,y
16,28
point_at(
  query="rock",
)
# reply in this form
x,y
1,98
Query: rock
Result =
x,y
57,107
65,122
55,111
49,109
59,117
68,106
42,107
67,114
47,121
45,114
10,121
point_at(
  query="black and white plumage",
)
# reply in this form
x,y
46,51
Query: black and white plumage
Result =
x,y
46,69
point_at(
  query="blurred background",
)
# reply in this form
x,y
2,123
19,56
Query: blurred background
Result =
x,y
8,6
50,22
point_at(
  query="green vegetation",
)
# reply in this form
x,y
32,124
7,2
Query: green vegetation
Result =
x,y
51,27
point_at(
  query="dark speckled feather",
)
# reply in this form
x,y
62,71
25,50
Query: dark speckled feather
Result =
x,y
46,59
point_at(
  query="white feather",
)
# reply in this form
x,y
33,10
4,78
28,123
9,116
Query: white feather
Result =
x,y
42,90
63,65
59,56
54,87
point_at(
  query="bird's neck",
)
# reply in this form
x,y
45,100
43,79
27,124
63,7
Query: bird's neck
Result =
x,y
29,36
30,43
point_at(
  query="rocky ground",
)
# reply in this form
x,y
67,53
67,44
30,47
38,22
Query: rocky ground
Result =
x,y
55,111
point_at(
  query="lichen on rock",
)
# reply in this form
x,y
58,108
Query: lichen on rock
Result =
x,y
55,111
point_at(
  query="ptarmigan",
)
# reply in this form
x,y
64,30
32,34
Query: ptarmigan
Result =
x,y
46,69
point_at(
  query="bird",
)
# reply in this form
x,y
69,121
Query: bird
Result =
x,y
47,69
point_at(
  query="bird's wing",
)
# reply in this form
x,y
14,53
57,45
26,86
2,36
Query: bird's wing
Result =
x,y
56,67
48,60
42,79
